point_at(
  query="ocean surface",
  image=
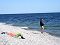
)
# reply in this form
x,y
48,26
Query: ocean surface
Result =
x,y
32,21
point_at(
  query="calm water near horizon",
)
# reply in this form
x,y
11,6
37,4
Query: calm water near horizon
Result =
x,y
52,21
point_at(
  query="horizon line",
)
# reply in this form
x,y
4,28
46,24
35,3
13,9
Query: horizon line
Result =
x,y
30,13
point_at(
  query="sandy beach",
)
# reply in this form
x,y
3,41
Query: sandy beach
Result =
x,y
31,37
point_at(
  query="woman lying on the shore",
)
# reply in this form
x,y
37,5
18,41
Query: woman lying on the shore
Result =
x,y
18,34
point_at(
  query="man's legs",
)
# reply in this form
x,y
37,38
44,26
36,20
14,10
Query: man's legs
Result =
x,y
42,29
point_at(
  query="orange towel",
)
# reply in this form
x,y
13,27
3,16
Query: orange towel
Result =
x,y
11,34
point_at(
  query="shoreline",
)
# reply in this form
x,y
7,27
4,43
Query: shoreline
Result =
x,y
31,37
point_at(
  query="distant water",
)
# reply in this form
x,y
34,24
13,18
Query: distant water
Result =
x,y
52,21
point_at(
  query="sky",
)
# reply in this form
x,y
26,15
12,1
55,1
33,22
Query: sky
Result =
x,y
29,6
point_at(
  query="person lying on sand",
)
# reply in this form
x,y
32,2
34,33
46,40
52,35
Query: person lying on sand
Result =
x,y
13,34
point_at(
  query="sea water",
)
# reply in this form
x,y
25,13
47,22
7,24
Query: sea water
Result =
x,y
32,21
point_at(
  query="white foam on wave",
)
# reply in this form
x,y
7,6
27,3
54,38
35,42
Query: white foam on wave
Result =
x,y
24,27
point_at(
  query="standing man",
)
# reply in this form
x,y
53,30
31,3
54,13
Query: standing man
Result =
x,y
42,25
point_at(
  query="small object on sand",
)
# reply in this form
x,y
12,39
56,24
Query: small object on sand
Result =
x,y
3,33
22,37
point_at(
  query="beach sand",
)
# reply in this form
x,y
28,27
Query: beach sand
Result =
x,y
31,37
